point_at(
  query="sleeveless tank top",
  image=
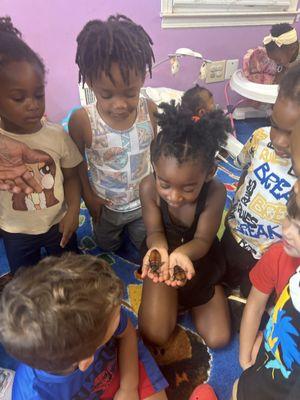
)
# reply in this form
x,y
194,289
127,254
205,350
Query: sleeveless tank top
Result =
x,y
177,235
119,160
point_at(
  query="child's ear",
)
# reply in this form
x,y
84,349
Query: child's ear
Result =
x,y
84,364
211,173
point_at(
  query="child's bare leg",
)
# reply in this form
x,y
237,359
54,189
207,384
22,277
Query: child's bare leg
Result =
x,y
212,320
234,390
158,312
158,396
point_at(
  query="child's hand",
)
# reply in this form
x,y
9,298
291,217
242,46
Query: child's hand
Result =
x,y
162,272
247,363
126,394
185,263
68,226
94,205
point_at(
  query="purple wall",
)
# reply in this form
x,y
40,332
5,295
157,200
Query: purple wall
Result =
x,y
51,27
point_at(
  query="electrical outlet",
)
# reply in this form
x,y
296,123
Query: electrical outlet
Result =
x,y
231,67
215,71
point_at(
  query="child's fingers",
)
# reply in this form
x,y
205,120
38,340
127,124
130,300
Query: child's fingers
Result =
x,y
145,269
153,277
189,275
66,233
164,272
65,238
31,182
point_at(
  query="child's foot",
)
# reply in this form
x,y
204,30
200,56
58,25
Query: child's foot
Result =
x,y
203,392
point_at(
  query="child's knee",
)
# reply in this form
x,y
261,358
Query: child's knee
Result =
x,y
217,340
153,333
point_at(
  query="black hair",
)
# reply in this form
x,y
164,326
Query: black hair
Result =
x,y
289,86
277,30
13,48
193,100
186,138
119,39
292,207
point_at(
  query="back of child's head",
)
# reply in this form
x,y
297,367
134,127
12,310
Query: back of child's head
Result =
x,y
293,209
56,313
276,31
13,48
289,86
117,40
196,99
186,137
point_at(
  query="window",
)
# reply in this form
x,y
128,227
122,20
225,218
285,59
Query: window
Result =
x,y
205,13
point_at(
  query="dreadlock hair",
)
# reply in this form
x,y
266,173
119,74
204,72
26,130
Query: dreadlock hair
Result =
x,y
13,48
194,100
277,30
120,40
289,86
185,138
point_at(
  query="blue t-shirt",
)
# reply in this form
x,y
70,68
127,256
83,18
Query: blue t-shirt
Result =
x,y
100,380
33,384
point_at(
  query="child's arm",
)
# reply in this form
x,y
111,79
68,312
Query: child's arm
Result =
x,y
80,132
208,223
69,223
252,315
156,238
128,364
152,108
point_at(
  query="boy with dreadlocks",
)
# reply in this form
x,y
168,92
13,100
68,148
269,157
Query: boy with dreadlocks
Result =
x,y
115,132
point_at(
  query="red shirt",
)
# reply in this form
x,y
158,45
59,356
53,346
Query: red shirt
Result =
x,y
273,270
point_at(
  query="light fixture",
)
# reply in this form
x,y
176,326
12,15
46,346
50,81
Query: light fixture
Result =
x,y
181,52
184,51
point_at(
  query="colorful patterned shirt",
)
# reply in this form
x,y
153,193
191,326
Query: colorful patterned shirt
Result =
x,y
119,160
259,205
276,372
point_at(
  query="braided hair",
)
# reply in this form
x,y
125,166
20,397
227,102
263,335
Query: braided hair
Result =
x,y
119,39
13,48
185,138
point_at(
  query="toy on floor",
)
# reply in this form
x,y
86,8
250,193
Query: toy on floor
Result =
x,y
184,361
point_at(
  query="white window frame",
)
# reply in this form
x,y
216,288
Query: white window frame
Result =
x,y
208,13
